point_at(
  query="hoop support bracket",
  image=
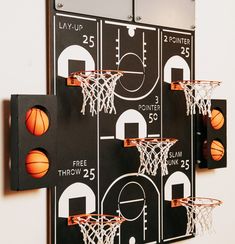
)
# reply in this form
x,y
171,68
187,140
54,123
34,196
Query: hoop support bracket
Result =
x,y
72,220
132,142
176,203
175,86
72,81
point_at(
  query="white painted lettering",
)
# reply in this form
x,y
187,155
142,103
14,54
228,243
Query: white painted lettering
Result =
x,y
175,154
149,107
70,26
179,40
80,163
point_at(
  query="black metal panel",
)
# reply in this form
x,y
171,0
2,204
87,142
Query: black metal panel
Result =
x,y
94,169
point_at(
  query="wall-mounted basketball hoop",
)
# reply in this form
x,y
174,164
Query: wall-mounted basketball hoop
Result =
x,y
153,152
97,88
97,228
199,213
197,93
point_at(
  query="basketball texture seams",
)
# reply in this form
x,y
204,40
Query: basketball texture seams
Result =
x,y
36,121
37,164
217,119
217,150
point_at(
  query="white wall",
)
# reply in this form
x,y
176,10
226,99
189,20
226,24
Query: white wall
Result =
x,y
215,52
23,71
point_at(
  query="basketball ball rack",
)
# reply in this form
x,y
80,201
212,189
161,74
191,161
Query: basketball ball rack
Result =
x,y
97,228
153,152
199,213
197,94
97,88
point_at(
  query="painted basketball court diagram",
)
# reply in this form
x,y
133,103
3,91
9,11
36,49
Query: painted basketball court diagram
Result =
x,y
96,173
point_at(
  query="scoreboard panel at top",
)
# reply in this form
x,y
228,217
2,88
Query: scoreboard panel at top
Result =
x,y
95,172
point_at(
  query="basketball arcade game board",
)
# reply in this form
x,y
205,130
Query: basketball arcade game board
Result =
x,y
95,172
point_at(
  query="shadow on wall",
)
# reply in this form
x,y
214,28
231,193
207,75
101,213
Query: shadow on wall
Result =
x,y
6,147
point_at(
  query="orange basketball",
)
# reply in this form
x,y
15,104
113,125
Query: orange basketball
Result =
x,y
217,119
217,150
37,164
37,121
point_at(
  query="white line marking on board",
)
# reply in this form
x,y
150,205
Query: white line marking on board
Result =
x,y
144,51
154,185
98,123
179,32
107,137
162,222
132,72
192,63
153,87
152,242
160,70
153,135
55,213
128,25
54,61
119,229
192,125
131,201
101,44
98,30
97,45
145,222
98,163
75,17
175,238
143,74
118,48
192,158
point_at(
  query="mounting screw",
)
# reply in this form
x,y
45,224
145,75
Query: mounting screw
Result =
x,y
130,17
138,18
193,27
60,5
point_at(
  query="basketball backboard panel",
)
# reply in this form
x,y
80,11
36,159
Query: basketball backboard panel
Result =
x,y
177,74
131,129
75,65
177,13
74,203
177,191
93,162
121,9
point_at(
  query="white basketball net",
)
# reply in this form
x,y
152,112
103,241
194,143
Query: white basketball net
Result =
x,y
199,213
153,153
98,90
99,229
198,94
